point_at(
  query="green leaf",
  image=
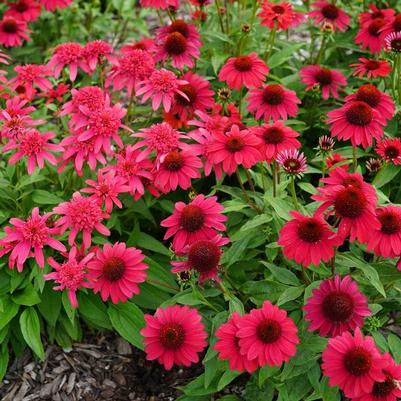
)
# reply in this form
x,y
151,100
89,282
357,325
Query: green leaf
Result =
x,y
290,294
145,241
30,329
386,174
281,56
211,370
128,320
69,310
10,310
4,358
227,377
236,305
394,343
28,296
284,276
92,308
256,222
42,197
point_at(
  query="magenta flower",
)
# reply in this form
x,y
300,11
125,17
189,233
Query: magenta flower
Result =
x,y
70,275
30,75
83,215
35,146
28,238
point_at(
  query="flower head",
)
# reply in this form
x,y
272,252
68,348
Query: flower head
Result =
x,y
273,101
193,222
97,52
292,161
268,335
227,345
174,335
25,10
249,71
393,42
28,238
161,86
390,150
13,31
327,12
81,214
29,76
279,15
203,256
372,68
336,306
353,363
328,80
52,5
70,275
116,271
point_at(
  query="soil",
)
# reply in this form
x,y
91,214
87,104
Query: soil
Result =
x,y
104,367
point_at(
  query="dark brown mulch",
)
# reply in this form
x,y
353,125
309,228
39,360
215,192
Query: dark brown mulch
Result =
x,y
105,368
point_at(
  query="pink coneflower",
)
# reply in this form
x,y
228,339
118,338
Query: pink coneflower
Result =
x,y
328,80
275,137
194,222
174,335
374,13
386,239
369,36
389,389
353,201
134,168
161,86
249,71
13,32
97,52
336,158
326,12
279,15
390,150
203,256
27,239
376,99
268,335
358,122
106,189
56,93
35,146
160,4
227,346
371,68
393,26
307,240
69,54
81,214
116,271
273,101
78,152
373,165
52,5
292,161
393,42
353,363
180,42
326,144
160,138
177,169
70,275
199,96
25,10
90,98
236,147
131,68
336,306
30,75
145,43
103,125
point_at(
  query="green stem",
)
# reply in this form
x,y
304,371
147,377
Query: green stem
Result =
x,y
247,198
293,193
250,181
398,77
354,159
218,7
241,95
321,50
274,177
270,43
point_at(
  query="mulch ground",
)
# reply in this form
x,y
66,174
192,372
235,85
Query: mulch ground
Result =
x,y
105,368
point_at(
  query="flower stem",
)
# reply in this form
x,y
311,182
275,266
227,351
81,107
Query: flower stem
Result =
x,y
274,177
321,50
218,7
293,193
270,43
250,181
354,159
247,198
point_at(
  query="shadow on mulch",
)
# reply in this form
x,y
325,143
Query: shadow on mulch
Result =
x,y
105,368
